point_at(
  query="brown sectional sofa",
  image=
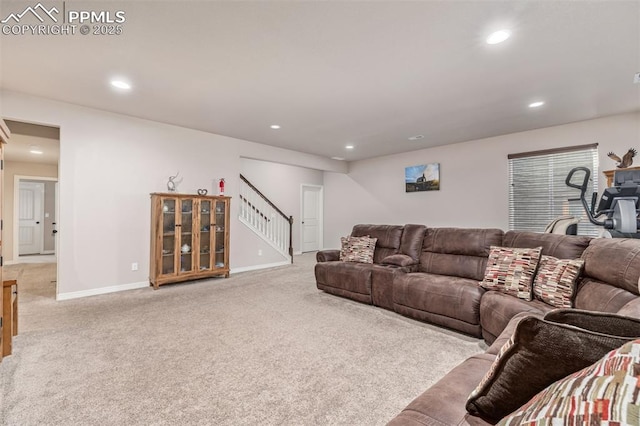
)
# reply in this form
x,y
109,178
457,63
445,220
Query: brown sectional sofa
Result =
x,y
438,283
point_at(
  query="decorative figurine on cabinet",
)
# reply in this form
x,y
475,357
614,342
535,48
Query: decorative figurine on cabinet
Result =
x,y
171,185
625,161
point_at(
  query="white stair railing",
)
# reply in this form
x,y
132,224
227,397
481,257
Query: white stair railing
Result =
x,y
265,219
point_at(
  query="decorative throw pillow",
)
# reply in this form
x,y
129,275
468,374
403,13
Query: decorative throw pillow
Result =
x,y
541,352
511,270
357,249
599,322
603,393
555,282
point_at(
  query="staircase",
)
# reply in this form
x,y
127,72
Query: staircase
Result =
x,y
265,219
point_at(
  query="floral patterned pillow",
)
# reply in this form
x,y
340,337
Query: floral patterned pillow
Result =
x,y
357,249
511,270
555,282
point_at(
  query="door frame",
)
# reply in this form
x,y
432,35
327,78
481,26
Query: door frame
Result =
x,y
320,214
39,187
16,211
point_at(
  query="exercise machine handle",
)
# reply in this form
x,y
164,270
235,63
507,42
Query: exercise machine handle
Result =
x,y
583,189
585,180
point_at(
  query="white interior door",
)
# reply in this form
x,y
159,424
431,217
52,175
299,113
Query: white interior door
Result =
x,y
311,218
30,224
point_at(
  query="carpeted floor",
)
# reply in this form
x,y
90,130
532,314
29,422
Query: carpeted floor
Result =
x,y
262,347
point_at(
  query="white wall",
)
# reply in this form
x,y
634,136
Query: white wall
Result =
x,y
473,178
109,163
281,184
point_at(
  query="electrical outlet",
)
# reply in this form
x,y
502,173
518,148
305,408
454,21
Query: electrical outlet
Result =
x,y
259,252
134,266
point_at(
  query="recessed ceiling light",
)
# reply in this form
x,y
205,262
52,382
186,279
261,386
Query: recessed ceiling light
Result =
x,y
536,104
274,126
120,84
349,147
416,137
338,158
498,37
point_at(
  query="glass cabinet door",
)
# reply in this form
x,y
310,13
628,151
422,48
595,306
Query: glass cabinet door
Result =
x,y
219,235
168,236
206,235
186,236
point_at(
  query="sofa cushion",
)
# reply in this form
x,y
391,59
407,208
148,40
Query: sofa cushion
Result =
x,y
508,331
458,252
593,295
631,309
357,249
603,393
556,245
614,261
555,281
452,302
541,352
511,270
497,309
412,239
388,236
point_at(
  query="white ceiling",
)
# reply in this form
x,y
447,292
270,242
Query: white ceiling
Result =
x,y
370,74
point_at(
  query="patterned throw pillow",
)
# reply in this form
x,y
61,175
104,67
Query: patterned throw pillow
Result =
x,y
357,249
605,393
511,270
555,282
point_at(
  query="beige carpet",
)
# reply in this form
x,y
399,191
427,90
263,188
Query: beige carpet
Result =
x,y
261,347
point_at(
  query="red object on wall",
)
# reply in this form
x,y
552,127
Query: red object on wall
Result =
x,y
221,187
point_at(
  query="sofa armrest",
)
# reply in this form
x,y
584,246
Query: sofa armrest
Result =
x,y
401,260
328,255
506,334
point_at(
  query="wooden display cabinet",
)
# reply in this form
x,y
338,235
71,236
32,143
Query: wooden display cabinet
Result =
x,y
609,174
189,237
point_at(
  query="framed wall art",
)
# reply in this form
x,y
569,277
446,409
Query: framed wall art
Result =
x,y
425,177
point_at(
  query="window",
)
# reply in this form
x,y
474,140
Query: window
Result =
x,y
537,190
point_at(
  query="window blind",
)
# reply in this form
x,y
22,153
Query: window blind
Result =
x,y
537,190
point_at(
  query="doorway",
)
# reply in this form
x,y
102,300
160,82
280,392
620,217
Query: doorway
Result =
x,y
35,201
30,200
311,213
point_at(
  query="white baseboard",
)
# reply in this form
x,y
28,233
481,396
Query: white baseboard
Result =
x,y
101,290
48,252
10,262
297,253
256,267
